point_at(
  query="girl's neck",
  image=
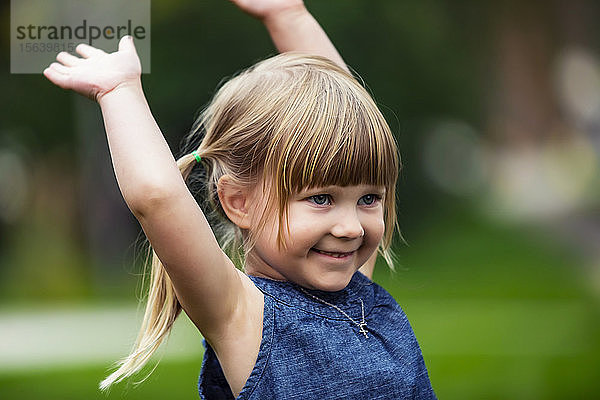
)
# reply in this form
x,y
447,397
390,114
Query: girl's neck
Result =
x,y
261,275
257,267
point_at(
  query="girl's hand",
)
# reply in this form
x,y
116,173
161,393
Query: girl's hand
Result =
x,y
292,27
97,73
263,9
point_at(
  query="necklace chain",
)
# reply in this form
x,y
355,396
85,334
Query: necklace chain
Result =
x,y
362,326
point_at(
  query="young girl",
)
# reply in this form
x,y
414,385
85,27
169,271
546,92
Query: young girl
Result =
x,y
301,166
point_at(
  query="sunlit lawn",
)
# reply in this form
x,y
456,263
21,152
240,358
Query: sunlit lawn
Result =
x,y
170,380
498,316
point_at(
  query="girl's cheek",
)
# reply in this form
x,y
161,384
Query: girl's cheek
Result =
x,y
305,232
378,229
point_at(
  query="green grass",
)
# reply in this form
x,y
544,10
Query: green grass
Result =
x,y
170,380
498,313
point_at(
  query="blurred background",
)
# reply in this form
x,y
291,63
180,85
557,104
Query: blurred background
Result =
x,y
496,108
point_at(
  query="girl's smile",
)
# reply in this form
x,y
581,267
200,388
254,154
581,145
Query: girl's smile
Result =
x,y
332,232
334,254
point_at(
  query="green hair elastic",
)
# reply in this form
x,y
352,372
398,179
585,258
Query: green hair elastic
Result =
x,y
196,156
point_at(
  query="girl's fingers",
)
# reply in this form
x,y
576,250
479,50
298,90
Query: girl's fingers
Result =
x,y
67,59
56,74
126,44
87,51
61,69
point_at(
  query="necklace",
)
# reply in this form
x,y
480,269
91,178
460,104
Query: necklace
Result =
x,y
362,326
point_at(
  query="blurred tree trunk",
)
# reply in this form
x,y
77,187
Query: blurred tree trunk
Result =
x,y
523,109
544,153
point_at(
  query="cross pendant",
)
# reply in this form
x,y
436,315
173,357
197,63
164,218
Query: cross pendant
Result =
x,y
363,329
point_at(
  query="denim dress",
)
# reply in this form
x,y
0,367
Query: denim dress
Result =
x,y
311,350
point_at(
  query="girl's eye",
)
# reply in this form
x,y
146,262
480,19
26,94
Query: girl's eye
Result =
x,y
320,199
369,199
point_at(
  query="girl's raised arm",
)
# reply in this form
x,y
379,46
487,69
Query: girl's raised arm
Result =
x,y
206,282
292,27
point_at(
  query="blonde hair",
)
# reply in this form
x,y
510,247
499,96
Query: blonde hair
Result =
x,y
294,120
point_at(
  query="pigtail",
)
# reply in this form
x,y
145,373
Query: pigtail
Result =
x,y
162,310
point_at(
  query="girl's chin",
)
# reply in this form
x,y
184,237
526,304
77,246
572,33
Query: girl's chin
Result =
x,y
332,283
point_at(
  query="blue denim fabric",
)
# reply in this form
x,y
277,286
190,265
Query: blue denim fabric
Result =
x,y
310,350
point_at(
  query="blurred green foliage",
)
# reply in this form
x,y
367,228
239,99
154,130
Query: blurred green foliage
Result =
x,y
500,311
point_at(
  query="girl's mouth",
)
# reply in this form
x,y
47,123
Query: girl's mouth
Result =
x,y
333,254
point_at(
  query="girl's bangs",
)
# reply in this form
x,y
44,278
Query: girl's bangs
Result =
x,y
342,152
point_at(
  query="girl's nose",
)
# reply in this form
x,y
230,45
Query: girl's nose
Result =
x,y
347,226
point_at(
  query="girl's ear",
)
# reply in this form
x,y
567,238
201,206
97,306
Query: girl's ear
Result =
x,y
235,200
